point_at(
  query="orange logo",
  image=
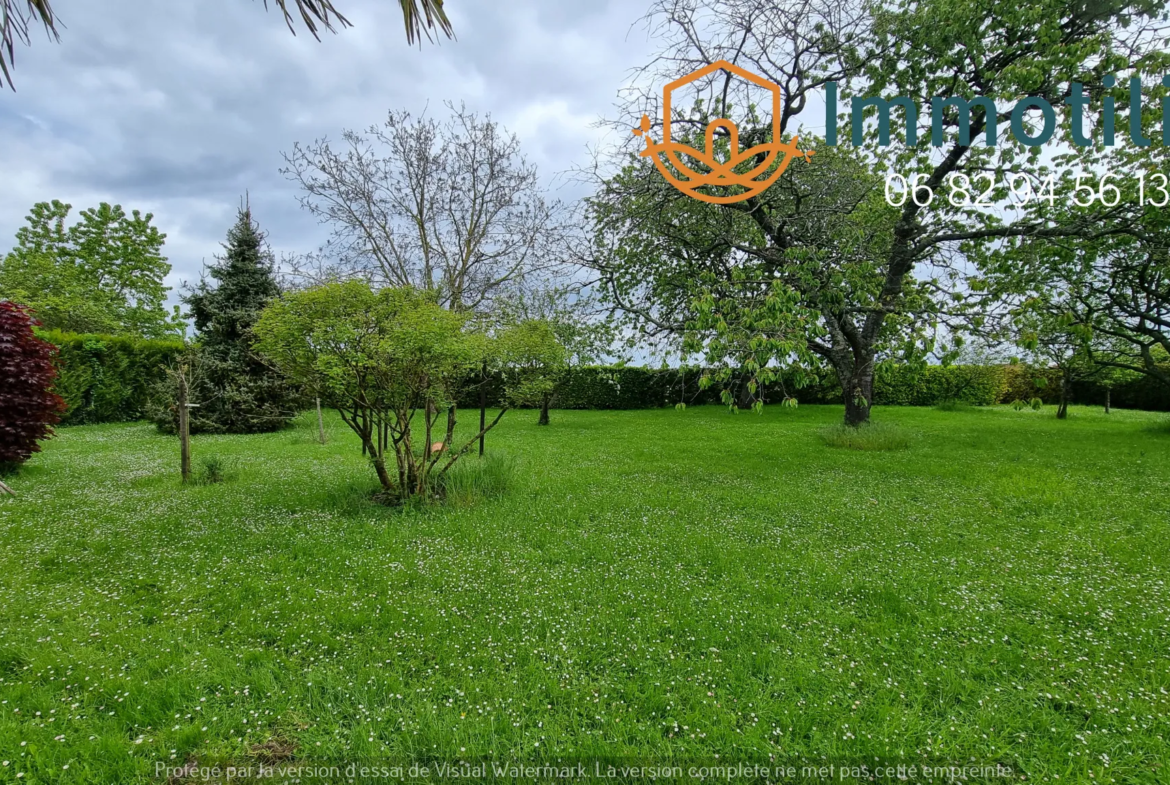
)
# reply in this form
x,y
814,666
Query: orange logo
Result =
x,y
720,173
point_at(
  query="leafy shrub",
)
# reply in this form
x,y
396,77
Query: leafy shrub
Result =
x,y
28,406
871,436
1129,391
1035,404
477,478
1025,382
952,405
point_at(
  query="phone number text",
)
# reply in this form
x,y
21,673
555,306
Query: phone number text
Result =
x,y
987,190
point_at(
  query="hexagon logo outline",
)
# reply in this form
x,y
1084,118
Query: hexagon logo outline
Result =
x,y
721,173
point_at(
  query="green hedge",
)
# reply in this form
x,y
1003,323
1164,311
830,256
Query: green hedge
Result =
x,y
631,387
980,385
107,378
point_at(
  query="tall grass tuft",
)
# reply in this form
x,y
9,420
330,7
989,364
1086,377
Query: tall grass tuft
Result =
x,y
474,478
872,436
212,469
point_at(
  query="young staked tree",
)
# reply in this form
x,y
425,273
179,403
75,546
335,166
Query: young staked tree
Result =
x,y
532,362
28,406
763,266
235,390
1052,339
562,326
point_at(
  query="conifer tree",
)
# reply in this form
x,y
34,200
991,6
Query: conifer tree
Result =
x,y
234,390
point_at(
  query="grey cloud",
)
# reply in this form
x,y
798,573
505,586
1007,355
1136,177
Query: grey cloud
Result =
x,y
178,108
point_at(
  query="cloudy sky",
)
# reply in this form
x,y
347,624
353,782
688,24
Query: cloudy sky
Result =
x,y
177,108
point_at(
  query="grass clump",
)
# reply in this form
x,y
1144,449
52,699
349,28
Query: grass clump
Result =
x,y
474,478
953,405
212,469
871,437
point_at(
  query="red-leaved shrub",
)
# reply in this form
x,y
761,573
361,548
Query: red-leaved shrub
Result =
x,y
28,407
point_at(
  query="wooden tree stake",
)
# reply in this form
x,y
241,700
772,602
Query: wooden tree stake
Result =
x,y
482,407
184,426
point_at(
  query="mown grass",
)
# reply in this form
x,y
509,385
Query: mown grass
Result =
x,y
657,586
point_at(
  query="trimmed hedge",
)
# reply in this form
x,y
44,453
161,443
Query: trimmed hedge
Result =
x,y
107,378
980,385
631,387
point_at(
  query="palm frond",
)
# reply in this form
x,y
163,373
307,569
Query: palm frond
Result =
x,y
420,16
15,16
432,11
312,12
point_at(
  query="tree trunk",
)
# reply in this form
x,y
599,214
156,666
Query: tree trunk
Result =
x,y
482,407
857,390
379,463
744,395
383,475
184,428
364,426
1062,410
544,411
1108,392
320,424
450,436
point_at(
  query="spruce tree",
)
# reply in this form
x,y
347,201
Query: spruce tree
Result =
x,y
235,391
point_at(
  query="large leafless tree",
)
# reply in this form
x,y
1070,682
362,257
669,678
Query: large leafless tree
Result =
x,y
448,205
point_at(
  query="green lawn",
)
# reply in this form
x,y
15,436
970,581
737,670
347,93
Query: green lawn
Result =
x,y
657,586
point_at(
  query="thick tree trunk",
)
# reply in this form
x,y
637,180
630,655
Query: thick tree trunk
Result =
x,y
858,399
743,395
450,429
543,411
856,380
1108,393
